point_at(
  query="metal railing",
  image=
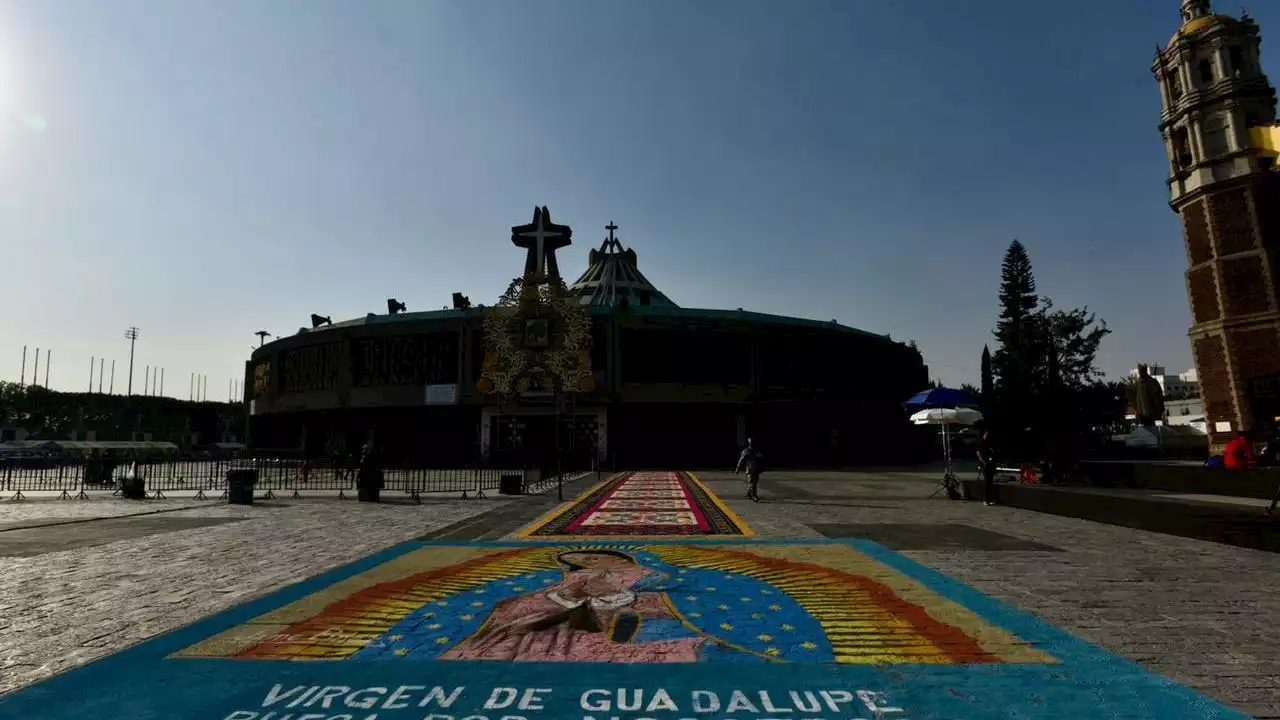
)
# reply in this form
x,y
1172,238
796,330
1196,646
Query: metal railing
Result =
x,y
77,478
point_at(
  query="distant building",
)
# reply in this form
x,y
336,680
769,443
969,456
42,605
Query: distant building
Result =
x,y
664,386
1185,412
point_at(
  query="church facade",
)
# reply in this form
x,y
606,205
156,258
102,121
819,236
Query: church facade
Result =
x,y
605,369
1218,111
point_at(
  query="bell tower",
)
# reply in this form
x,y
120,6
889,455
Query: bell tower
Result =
x,y
1217,105
1195,9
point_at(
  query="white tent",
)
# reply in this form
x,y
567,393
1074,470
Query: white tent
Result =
x,y
1171,436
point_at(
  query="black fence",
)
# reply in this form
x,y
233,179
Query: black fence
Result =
x,y
77,477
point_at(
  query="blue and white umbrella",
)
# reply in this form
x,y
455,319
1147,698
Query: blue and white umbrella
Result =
x,y
947,416
941,397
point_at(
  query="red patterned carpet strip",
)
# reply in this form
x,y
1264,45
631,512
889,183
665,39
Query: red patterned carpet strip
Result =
x,y
644,503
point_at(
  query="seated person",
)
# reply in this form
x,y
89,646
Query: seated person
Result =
x,y
1238,455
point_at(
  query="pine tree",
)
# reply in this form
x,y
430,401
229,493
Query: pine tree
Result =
x,y
1018,299
1041,375
1012,363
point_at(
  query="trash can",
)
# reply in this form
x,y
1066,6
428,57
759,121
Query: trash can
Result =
x,y
240,484
369,485
511,484
133,487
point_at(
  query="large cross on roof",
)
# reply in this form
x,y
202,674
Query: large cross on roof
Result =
x,y
541,238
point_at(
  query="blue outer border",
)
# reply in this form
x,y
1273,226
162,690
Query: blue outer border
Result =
x,y
141,684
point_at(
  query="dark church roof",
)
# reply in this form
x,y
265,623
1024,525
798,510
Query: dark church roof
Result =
x,y
612,279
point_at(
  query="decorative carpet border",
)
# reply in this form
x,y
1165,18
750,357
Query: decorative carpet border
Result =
x,y
1086,681
557,524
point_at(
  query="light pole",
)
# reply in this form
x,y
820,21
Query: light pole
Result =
x,y
132,336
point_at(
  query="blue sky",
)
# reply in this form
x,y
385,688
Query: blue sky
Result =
x,y
206,169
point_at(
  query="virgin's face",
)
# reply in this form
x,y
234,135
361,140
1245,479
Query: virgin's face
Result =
x,y
596,561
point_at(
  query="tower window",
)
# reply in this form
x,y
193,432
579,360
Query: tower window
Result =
x,y
1215,136
1236,56
1181,148
1206,71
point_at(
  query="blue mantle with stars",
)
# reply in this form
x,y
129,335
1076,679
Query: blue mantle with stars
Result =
x,y
146,683
744,615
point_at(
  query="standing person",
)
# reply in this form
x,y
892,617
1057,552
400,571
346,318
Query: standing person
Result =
x,y
1270,453
369,472
987,462
366,462
752,461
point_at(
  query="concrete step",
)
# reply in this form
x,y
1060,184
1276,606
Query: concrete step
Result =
x,y
1222,519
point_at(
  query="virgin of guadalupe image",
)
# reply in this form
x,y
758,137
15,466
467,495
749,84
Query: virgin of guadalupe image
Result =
x,y
606,606
594,614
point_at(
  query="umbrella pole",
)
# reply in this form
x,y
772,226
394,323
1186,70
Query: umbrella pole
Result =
x,y
950,479
947,475
946,447
946,459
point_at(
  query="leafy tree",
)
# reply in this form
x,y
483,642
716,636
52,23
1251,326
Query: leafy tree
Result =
x,y
1066,343
1043,373
51,415
966,387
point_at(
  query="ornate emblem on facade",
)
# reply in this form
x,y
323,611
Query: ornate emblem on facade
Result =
x,y
537,338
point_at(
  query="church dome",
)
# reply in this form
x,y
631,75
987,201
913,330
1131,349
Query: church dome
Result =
x,y
1195,25
612,279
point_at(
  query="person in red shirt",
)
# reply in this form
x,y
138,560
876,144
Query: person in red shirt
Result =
x,y
1238,454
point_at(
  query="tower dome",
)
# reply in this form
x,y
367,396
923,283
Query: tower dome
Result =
x,y
1203,22
1198,15
612,278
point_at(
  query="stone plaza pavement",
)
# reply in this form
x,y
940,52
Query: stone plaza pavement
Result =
x,y
1204,614
1200,613
144,568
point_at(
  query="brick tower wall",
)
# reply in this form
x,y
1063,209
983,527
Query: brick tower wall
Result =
x,y
1233,246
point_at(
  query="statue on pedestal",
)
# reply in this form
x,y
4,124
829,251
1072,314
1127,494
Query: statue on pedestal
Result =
x,y
1148,398
537,338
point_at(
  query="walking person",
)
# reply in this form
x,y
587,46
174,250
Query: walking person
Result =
x,y
987,462
752,461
